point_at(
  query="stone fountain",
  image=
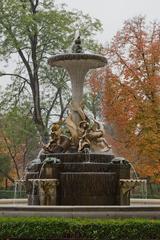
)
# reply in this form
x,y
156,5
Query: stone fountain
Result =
x,y
77,166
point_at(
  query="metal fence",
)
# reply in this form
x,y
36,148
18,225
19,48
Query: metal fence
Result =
x,y
152,191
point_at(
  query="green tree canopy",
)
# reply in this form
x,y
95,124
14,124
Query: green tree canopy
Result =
x,y
31,31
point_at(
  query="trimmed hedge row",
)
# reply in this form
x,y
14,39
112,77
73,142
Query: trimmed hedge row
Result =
x,y
58,228
8,194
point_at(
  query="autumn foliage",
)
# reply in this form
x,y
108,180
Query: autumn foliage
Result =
x,y
18,143
131,97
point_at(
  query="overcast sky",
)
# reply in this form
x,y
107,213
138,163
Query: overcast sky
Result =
x,y
112,13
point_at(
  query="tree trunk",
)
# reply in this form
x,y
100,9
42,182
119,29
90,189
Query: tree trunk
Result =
x,y
7,176
37,116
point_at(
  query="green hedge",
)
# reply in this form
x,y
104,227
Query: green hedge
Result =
x,y
52,228
8,194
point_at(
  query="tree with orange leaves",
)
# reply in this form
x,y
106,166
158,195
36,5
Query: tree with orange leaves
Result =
x,y
131,102
92,97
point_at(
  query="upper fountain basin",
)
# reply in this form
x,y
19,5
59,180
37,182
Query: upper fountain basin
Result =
x,y
91,61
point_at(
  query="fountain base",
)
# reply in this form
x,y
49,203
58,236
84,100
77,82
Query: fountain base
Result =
x,y
84,179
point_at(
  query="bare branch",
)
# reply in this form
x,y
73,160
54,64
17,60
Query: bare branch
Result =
x,y
51,107
15,75
64,109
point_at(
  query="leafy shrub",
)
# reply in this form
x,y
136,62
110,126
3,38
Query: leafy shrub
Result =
x,y
58,228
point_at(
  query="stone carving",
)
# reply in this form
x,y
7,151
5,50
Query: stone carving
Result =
x,y
86,136
82,134
58,142
47,191
120,160
98,141
77,48
84,142
93,137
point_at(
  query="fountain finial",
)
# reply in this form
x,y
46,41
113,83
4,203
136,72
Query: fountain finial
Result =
x,y
77,48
